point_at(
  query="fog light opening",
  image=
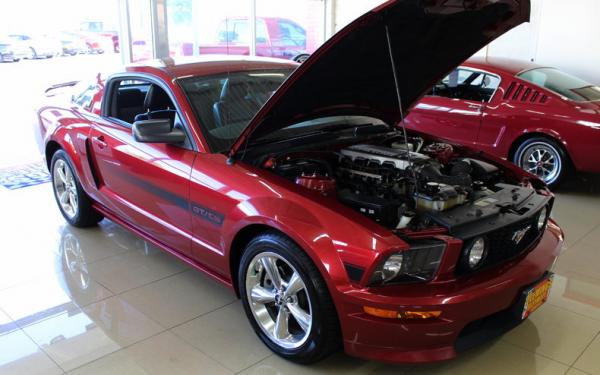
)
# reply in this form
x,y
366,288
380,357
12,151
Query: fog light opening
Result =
x,y
392,314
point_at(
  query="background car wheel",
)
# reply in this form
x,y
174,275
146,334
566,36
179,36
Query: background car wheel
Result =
x,y
301,58
544,158
73,202
286,300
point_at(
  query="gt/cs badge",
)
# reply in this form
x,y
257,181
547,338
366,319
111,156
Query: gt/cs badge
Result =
x,y
520,234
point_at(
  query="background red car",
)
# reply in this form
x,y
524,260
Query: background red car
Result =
x,y
542,119
275,37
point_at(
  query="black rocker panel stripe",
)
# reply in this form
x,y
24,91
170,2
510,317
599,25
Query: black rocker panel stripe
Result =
x,y
200,211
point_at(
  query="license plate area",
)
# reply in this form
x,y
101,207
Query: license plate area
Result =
x,y
535,296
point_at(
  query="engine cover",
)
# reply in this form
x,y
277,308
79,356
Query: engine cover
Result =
x,y
383,155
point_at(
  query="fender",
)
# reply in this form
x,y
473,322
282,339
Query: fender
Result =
x,y
549,132
307,224
70,132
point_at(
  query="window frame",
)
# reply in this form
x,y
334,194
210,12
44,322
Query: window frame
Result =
x,y
112,84
92,87
474,70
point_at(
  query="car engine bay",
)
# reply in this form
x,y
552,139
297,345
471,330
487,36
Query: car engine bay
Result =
x,y
412,185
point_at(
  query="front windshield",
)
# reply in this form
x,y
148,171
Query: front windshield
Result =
x,y
563,84
224,104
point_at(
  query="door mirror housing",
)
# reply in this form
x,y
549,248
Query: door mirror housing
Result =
x,y
157,131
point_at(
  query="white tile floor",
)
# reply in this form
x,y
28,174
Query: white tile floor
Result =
x,y
103,301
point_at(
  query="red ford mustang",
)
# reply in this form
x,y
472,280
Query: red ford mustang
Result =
x,y
544,120
292,185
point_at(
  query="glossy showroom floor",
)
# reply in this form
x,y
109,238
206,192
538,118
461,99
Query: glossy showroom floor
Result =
x,y
102,300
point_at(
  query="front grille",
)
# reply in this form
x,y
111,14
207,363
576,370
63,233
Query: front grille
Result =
x,y
503,244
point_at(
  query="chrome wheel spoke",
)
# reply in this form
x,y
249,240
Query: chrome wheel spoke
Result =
x,y
64,197
281,328
270,267
262,295
65,188
543,160
302,317
73,201
294,285
279,300
61,174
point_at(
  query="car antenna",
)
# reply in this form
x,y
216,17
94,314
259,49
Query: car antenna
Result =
x,y
399,97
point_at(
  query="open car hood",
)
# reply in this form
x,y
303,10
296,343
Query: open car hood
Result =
x,y
352,73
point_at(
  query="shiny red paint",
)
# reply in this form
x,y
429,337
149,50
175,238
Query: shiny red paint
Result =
x,y
253,199
498,127
203,209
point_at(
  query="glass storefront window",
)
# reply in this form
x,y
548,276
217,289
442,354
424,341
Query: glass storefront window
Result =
x,y
284,28
197,27
141,30
289,29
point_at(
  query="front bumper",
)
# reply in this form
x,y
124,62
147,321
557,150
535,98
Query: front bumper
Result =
x,y
469,305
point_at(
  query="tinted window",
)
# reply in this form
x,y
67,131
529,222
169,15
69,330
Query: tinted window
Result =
x,y
129,100
563,84
467,84
225,104
84,94
234,31
290,34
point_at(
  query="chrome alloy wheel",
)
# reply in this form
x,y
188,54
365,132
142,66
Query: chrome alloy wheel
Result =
x,y
279,300
65,188
542,160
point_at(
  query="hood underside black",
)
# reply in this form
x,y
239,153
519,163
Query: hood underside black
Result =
x,y
352,73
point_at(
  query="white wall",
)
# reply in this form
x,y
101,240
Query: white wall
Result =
x,y
562,33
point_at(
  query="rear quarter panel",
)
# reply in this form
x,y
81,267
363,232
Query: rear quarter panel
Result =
x,y
507,122
68,126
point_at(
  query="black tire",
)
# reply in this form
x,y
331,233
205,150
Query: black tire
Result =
x,y
84,215
563,167
324,335
301,58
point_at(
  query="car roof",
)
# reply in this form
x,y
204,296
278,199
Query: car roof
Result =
x,y
181,67
501,64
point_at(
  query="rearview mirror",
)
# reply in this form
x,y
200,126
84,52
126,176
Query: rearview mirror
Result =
x,y
157,131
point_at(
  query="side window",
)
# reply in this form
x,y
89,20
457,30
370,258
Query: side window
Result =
x,y
233,31
291,34
262,34
84,97
241,31
467,84
128,100
139,100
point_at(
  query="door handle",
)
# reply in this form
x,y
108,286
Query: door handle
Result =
x,y
99,141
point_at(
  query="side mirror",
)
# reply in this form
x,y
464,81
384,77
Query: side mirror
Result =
x,y
157,131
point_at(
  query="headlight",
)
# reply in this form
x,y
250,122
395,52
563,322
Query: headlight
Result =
x,y
392,266
541,221
476,252
417,264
